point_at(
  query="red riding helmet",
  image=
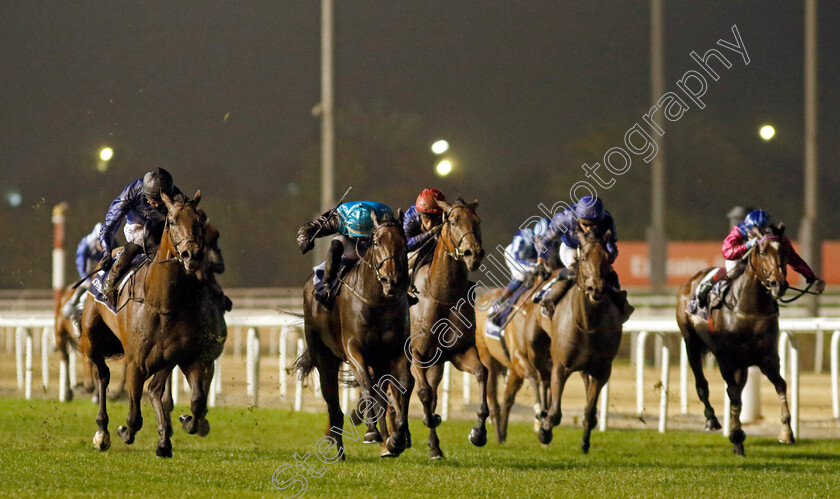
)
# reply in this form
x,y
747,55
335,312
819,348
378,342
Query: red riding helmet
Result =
x,y
427,202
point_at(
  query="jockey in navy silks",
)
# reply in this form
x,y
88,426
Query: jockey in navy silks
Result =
x,y
423,219
738,242
352,224
88,255
588,214
141,206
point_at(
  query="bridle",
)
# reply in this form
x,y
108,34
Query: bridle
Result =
x,y
763,278
377,267
455,251
175,244
579,275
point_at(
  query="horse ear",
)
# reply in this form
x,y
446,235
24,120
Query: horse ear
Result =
x,y
400,214
474,204
166,199
607,235
374,218
780,229
197,198
444,206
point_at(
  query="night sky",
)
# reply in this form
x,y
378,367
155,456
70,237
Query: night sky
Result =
x,y
221,94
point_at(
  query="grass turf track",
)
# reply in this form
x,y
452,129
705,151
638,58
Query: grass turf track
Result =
x,y
46,450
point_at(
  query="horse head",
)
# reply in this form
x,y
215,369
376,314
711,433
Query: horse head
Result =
x,y
461,232
387,254
593,265
185,226
769,264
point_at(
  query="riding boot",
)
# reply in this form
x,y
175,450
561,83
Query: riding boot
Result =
x,y
499,304
331,266
67,309
123,260
557,291
620,297
702,295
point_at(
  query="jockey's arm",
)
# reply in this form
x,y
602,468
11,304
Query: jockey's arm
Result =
x,y
117,211
733,246
415,237
560,224
216,263
325,225
612,243
82,257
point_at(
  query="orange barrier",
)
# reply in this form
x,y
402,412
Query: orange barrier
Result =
x,y
688,257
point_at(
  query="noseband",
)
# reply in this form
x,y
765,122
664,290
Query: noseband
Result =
x,y
757,270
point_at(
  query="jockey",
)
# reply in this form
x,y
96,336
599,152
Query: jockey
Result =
x,y
353,224
740,240
424,219
88,254
521,257
145,217
586,215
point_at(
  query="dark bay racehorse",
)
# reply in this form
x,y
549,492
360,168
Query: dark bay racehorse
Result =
x,y
366,327
528,356
443,322
585,335
743,332
166,317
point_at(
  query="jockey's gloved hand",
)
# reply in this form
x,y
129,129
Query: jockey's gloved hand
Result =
x,y
305,244
819,285
435,230
752,242
107,261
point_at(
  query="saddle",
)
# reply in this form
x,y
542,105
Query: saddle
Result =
x,y
98,281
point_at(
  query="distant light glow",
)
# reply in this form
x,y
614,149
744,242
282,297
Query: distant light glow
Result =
x,y
440,146
106,154
14,198
767,132
444,168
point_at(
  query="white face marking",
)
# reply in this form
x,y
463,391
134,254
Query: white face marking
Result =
x,y
776,245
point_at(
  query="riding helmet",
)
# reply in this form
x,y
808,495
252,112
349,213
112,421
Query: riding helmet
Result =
x,y
589,208
759,219
157,181
427,202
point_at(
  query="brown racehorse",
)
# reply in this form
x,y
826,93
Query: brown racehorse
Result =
x,y
585,335
166,317
367,327
443,323
529,350
743,332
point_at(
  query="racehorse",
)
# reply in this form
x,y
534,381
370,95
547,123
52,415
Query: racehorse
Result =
x,y
165,317
526,354
585,332
443,323
367,327
743,332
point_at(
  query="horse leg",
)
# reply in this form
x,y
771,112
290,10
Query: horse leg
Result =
x,y
157,387
735,379
493,369
549,420
134,380
399,388
61,344
199,375
359,365
427,380
102,439
468,361
590,413
771,370
119,390
512,386
328,365
694,348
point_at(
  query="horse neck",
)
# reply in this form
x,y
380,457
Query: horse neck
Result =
x,y
163,278
751,296
447,276
371,289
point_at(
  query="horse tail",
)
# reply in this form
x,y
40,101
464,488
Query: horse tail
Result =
x,y
304,364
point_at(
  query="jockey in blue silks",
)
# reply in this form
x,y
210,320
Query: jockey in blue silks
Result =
x,y
586,215
141,206
352,225
88,255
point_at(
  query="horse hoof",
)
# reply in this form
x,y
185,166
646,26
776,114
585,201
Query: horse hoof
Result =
x,y
386,453
372,437
478,436
395,448
126,435
163,452
203,428
436,454
584,446
68,395
712,424
102,441
786,436
738,449
408,441
545,436
186,424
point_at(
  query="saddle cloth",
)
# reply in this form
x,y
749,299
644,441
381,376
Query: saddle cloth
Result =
x,y
98,281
